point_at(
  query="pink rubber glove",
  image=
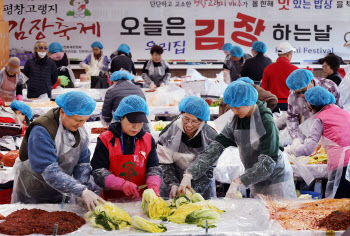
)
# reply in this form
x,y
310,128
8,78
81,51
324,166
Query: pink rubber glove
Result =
x,y
129,188
19,97
113,182
154,183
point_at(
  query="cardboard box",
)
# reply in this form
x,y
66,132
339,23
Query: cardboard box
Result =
x,y
4,43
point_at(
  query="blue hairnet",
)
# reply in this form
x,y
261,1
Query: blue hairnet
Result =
x,y
55,47
124,48
240,93
319,96
24,108
299,79
236,51
226,47
97,44
129,104
259,46
195,106
246,79
76,103
117,75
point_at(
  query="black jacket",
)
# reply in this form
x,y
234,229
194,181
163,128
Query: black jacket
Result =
x,y
100,158
335,77
115,94
122,61
254,67
42,74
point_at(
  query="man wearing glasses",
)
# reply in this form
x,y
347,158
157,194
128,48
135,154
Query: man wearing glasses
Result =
x,y
41,71
299,81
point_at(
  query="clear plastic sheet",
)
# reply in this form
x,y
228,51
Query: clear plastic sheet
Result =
x,y
96,94
319,171
169,95
242,217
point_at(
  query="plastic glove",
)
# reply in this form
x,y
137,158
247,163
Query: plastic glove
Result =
x,y
173,191
19,97
129,188
232,191
2,103
104,123
91,199
289,149
152,86
296,142
100,67
113,182
154,183
185,183
162,84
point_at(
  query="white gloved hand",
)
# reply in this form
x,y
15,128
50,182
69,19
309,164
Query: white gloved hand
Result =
x,y
289,149
296,142
185,183
173,191
152,86
104,123
91,200
162,85
100,66
231,192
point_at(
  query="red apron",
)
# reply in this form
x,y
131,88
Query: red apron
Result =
x,y
129,167
8,87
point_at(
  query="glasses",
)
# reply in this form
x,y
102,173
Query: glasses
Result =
x,y
41,48
187,120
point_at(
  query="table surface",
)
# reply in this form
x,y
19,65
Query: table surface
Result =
x,y
241,217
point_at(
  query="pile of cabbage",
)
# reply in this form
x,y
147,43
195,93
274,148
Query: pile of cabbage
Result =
x,y
190,208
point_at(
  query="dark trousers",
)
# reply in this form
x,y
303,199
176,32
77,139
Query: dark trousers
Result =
x,y
343,190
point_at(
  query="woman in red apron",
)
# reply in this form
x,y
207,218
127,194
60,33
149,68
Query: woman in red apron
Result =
x,y
125,155
11,81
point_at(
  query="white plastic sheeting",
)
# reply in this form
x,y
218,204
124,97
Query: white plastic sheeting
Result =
x,y
242,217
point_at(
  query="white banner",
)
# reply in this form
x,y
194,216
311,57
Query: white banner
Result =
x,y
187,30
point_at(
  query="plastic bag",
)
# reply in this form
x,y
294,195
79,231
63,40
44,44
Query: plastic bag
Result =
x,y
280,119
217,86
229,166
169,95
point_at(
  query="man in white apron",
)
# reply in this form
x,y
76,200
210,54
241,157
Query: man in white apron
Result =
x,y
54,156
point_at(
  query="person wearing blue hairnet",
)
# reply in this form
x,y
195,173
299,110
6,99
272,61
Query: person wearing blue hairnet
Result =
x,y
17,113
263,95
181,142
233,66
155,72
121,88
226,49
121,60
125,156
299,81
96,63
253,130
254,67
54,155
65,74
331,129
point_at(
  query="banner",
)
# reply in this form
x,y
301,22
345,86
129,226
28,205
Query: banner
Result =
x,y
187,30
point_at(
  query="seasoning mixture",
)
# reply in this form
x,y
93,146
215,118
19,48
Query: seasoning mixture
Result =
x,y
337,220
35,221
